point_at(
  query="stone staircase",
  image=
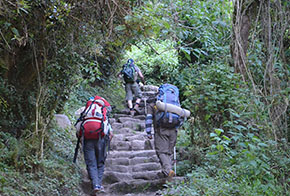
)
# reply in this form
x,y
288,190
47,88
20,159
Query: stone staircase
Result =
x,y
132,165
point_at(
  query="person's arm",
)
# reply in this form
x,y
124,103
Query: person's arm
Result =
x,y
137,69
111,135
141,76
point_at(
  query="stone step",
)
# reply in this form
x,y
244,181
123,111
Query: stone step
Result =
x,y
111,177
124,130
128,185
130,119
138,117
131,154
128,127
148,94
117,126
136,186
134,161
142,167
146,175
136,126
141,160
131,145
151,166
130,136
153,88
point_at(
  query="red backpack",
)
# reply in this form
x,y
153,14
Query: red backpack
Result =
x,y
94,119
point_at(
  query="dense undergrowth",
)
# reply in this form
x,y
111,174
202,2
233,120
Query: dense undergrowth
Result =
x,y
227,149
23,174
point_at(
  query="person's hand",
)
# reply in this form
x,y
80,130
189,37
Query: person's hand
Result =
x,y
149,135
111,135
119,75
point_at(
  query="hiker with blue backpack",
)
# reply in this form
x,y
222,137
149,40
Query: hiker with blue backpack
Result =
x,y
130,73
166,116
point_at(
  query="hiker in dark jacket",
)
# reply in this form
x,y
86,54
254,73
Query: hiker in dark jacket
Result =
x,y
164,141
131,85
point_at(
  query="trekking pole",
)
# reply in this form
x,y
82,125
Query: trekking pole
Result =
x,y
174,157
145,105
76,150
78,142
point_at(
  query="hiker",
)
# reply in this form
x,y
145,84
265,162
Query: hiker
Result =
x,y
95,132
165,125
130,74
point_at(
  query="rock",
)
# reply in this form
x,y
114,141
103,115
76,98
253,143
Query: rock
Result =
x,y
62,121
150,88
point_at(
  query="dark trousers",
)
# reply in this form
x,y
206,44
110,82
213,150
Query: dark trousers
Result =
x,y
94,154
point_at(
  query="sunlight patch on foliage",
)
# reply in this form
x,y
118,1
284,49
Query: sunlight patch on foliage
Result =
x,y
158,60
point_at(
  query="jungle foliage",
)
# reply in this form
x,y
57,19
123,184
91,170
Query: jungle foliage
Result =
x,y
230,60
48,49
237,142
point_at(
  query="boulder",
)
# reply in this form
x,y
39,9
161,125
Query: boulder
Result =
x,y
62,121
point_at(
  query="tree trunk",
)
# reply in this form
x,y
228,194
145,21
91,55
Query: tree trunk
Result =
x,y
243,17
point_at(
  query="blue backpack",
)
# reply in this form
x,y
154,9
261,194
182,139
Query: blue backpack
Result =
x,y
168,93
128,71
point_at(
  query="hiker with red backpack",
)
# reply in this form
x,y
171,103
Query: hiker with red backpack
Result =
x,y
130,73
166,116
95,133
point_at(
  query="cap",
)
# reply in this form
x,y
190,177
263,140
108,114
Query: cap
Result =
x,y
130,61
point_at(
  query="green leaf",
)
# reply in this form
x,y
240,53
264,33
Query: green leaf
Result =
x,y
225,137
213,153
15,31
128,17
253,163
240,127
219,131
120,27
262,144
166,25
212,135
207,117
220,147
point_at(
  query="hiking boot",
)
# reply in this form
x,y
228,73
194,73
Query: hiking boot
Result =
x,y
99,189
132,113
171,173
170,176
102,189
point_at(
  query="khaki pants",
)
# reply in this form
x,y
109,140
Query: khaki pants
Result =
x,y
165,140
131,88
